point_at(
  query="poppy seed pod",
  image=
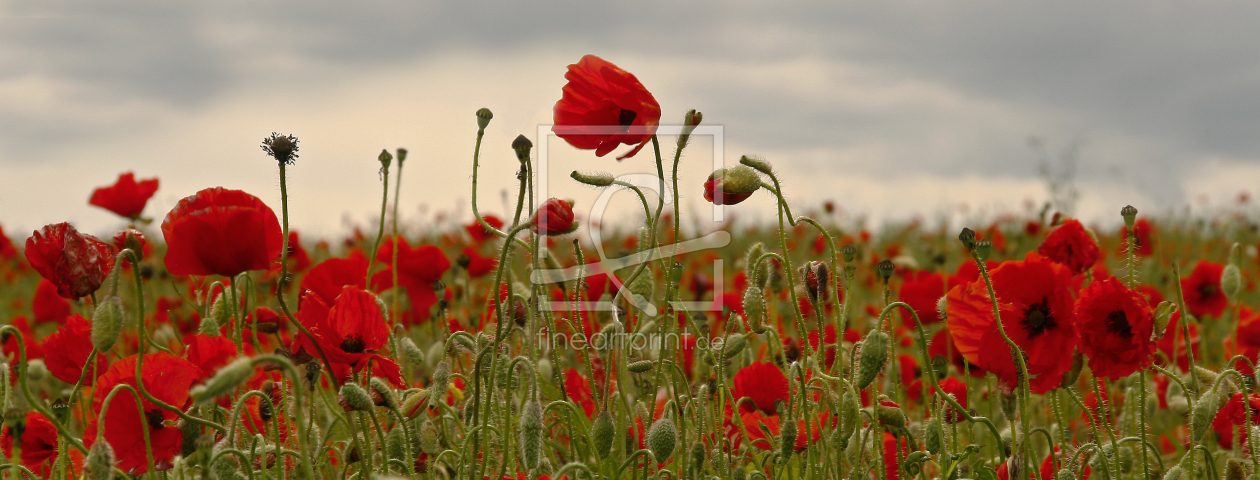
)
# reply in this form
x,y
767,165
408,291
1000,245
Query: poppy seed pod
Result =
x,y
1130,214
356,397
848,252
968,238
594,179
483,118
758,164
662,438
401,154
522,145
983,248
223,381
531,432
640,366
1231,280
107,323
872,357
385,158
885,269
99,464
602,432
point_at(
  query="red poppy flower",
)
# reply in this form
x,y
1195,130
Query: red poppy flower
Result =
x,y
478,264
897,448
943,345
1202,290
48,306
604,107
7,250
1231,419
762,382
554,217
418,270
756,424
33,348
1143,230
479,233
133,239
168,379
76,263
922,291
352,326
726,187
125,197
67,351
579,391
1052,464
829,337
1069,244
327,279
299,260
1037,314
957,389
39,445
221,232
209,353
1115,325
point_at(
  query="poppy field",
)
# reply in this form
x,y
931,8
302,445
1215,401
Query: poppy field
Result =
x,y
213,342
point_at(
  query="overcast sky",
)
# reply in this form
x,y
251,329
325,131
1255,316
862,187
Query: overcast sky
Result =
x,y
891,109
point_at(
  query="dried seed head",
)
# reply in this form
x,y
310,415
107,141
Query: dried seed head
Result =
x,y
281,147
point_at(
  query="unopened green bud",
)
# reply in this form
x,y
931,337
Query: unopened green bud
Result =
x,y
107,323
761,165
531,432
787,439
224,380
594,179
441,383
733,345
872,357
99,464
737,180
850,413
602,432
395,446
413,353
356,397
1173,473
1069,377
757,272
429,438
690,120
754,308
891,417
1163,314
1231,280
36,371
1234,470
933,435
640,366
1203,414
388,398
483,118
662,438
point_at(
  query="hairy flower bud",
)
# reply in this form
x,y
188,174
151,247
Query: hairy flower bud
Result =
x,y
1163,314
99,464
755,307
388,398
872,357
224,380
531,432
1231,281
891,417
729,186
602,432
759,164
1204,411
441,383
429,438
594,179
640,366
395,447
662,438
817,279
1173,473
850,414
787,439
733,345
413,353
356,397
107,323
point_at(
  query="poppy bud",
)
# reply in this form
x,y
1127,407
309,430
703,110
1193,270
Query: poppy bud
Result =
x,y
640,366
595,179
531,432
891,416
787,439
1064,474
1173,473
816,280
850,414
107,323
441,383
220,313
1231,280
697,456
886,269
757,164
224,380
602,432
733,345
933,435
385,158
130,239
388,399
36,371
522,146
99,464
968,238
356,397
544,368
690,120
414,354
1129,213
754,308
429,441
1163,314
729,186
758,272
283,148
395,447
848,252
662,438
483,118
554,217
1204,412
942,306
872,357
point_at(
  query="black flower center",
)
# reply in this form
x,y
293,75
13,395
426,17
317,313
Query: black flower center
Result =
x,y
1037,319
1208,289
1118,324
154,418
352,345
626,118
